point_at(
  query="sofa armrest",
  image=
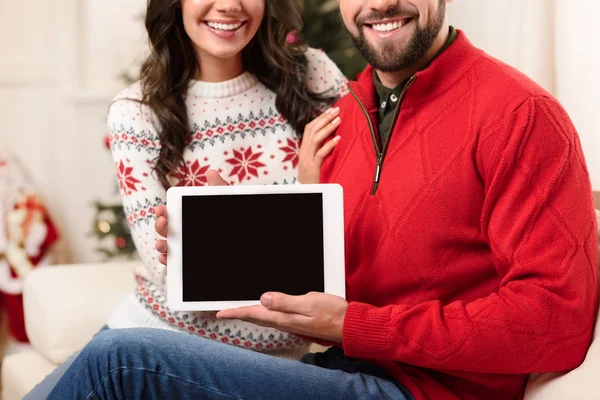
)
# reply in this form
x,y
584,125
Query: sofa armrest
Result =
x,y
66,305
582,382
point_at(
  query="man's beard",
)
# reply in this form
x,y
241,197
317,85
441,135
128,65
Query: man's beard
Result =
x,y
390,57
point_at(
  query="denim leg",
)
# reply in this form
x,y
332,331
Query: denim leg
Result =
x,y
43,389
158,364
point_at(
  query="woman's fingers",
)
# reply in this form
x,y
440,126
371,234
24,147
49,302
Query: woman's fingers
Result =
x,y
321,121
161,226
161,246
325,125
161,211
215,179
326,131
326,149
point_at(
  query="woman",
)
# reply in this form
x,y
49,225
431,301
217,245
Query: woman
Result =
x,y
222,89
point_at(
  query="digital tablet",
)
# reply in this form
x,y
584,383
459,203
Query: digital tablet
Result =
x,y
230,244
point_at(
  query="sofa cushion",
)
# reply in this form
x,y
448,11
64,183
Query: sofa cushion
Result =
x,y
581,383
21,372
66,305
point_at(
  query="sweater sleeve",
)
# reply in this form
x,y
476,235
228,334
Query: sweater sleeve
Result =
x,y
134,145
324,76
538,220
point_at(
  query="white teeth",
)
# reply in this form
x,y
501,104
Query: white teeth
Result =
x,y
390,26
224,27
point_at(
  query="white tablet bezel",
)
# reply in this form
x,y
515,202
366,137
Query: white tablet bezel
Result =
x,y
333,239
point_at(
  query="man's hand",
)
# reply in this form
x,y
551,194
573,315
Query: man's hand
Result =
x,y
161,224
317,315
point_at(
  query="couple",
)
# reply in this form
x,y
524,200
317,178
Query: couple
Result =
x,y
468,211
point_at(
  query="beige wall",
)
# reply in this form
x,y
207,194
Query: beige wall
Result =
x,y
59,63
552,41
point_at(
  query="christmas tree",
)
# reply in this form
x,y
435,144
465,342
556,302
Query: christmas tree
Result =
x,y
110,228
110,222
325,30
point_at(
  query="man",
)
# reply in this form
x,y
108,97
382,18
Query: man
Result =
x,y
469,231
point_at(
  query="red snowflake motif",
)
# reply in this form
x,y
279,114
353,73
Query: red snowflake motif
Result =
x,y
246,163
213,336
202,332
236,342
225,340
248,343
127,181
292,152
171,320
192,174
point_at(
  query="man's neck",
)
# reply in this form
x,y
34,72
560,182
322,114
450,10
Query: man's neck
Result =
x,y
393,79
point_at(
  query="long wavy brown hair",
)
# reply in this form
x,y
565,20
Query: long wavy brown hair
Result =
x,y
173,62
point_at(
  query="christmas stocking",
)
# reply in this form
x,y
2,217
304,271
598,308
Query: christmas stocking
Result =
x,y
26,236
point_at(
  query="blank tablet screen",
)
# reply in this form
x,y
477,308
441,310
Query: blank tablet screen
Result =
x,y
237,247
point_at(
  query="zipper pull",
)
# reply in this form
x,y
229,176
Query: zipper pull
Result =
x,y
377,174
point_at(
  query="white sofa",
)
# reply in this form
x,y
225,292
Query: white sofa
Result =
x,y
66,305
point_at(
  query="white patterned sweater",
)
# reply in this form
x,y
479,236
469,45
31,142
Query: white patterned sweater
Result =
x,y
236,130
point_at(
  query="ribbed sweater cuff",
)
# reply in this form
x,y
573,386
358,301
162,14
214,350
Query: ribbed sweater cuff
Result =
x,y
365,331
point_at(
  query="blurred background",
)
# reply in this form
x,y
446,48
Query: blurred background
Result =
x,y
62,61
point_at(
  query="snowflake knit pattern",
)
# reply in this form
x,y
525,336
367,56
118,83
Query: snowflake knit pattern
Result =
x,y
236,130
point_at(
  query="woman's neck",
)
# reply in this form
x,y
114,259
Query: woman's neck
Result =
x,y
214,69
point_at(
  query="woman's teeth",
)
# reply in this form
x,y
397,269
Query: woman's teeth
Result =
x,y
390,26
224,27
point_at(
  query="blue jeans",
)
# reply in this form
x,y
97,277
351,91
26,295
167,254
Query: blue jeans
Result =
x,y
43,389
158,364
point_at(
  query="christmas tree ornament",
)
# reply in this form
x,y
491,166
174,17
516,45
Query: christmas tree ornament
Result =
x,y
120,242
104,226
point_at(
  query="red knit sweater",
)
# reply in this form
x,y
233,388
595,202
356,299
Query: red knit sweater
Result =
x,y
474,263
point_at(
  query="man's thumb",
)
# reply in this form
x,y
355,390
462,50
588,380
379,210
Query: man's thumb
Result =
x,y
214,179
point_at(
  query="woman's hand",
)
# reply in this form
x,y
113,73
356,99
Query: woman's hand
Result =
x,y
161,224
312,150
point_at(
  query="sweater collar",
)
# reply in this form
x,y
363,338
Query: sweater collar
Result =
x,y
439,76
217,90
